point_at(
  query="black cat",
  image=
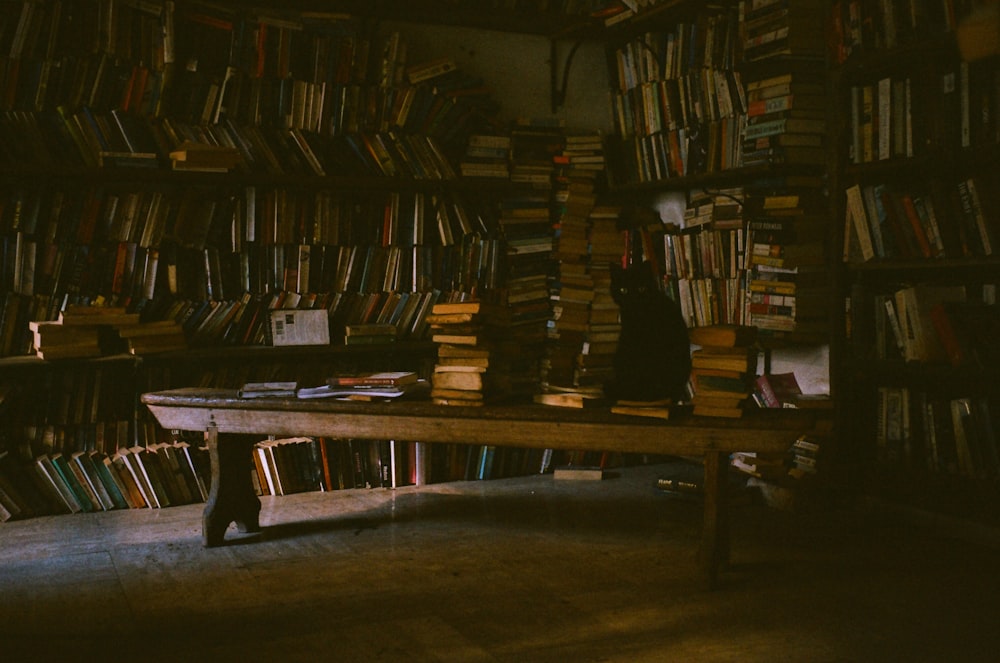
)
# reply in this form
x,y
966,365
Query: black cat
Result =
x,y
653,360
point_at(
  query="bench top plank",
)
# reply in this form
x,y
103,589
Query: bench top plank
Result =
x,y
528,425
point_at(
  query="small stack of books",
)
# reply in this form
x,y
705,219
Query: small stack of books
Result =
x,y
78,332
380,386
369,333
722,369
805,453
54,340
486,156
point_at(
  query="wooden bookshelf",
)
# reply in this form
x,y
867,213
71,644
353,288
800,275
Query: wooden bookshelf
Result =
x,y
924,437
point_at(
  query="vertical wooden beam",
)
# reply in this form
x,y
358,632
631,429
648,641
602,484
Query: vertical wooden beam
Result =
x,y
715,530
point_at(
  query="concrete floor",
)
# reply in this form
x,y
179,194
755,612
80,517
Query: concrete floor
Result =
x,y
526,569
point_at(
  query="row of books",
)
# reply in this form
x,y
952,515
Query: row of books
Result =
x,y
300,464
930,324
234,218
156,476
60,138
860,27
948,107
946,220
941,434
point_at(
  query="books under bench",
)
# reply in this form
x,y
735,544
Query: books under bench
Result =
x,y
152,476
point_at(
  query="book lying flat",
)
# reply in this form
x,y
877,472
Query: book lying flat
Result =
x,y
268,390
362,392
381,379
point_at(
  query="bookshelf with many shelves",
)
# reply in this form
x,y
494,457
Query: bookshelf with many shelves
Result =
x,y
916,196
313,131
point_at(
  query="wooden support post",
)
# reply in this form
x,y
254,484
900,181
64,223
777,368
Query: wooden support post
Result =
x,y
715,530
231,498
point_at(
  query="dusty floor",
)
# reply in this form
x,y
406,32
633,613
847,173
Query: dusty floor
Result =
x,y
526,569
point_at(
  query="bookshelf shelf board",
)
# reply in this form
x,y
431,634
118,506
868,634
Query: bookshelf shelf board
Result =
x,y
944,376
721,178
873,63
164,177
34,361
265,353
469,14
928,267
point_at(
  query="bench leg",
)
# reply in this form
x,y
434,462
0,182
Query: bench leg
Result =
x,y
715,530
231,498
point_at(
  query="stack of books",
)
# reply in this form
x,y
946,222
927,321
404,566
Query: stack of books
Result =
x,y
722,369
573,287
80,331
595,363
774,30
805,454
486,156
533,144
464,353
786,120
789,281
369,333
54,340
379,386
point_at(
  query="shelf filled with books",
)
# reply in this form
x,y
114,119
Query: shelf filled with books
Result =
x,y
918,207
729,105
222,172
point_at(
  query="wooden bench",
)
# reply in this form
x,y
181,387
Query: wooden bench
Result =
x,y
232,498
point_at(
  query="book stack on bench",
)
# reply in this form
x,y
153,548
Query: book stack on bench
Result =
x,y
722,369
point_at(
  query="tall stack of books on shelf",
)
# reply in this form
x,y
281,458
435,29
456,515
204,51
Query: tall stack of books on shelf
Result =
x,y
789,283
572,289
723,369
786,119
604,329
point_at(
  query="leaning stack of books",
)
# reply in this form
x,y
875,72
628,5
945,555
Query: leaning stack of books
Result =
x,y
722,369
